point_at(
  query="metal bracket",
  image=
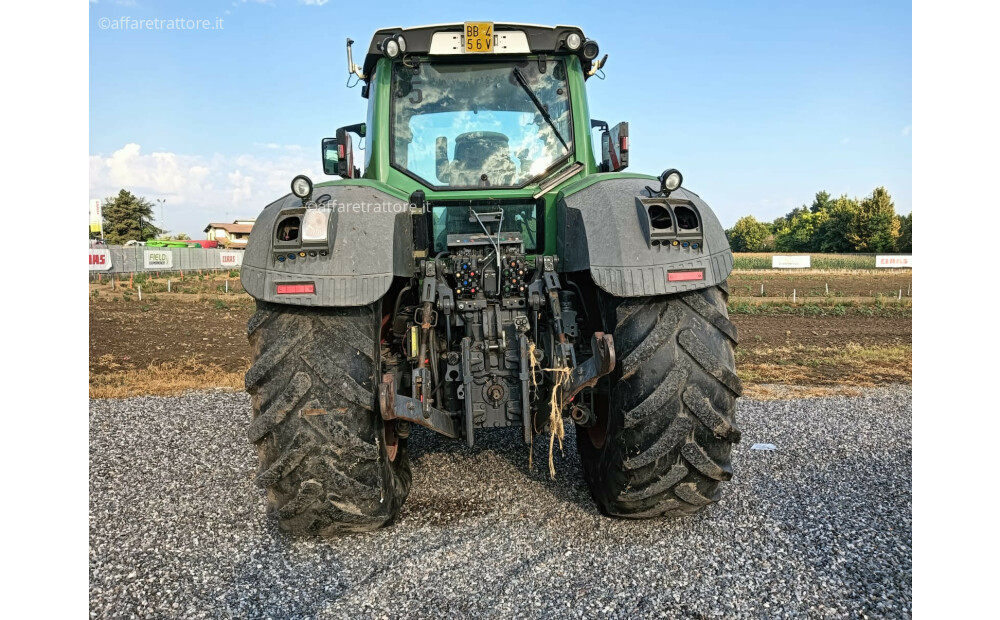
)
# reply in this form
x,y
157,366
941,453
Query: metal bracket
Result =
x,y
556,309
601,363
445,298
421,390
536,291
428,292
399,407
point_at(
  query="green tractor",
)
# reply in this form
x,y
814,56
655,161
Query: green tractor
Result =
x,y
483,268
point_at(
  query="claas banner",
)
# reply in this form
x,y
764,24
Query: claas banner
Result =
x,y
95,216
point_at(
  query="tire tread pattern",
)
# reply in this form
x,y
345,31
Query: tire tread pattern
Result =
x,y
672,405
320,442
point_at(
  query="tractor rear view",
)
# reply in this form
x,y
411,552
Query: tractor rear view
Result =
x,y
486,265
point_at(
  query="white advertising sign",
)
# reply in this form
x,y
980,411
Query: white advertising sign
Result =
x,y
894,261
231,259
100,260
158,259
790,262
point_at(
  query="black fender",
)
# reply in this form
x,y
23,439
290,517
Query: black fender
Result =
x,y
631,242
369,241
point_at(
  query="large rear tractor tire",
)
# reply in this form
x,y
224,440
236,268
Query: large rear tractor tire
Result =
x,y
328,461
664,433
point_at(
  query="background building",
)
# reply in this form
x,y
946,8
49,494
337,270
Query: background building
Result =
x,y
231,236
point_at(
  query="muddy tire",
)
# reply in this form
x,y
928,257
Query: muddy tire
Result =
x,y
327,460
665,430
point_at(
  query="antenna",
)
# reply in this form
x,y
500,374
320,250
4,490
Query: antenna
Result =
x,y
351,67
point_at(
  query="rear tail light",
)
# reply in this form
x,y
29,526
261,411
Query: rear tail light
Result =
x,y
297,289
685,276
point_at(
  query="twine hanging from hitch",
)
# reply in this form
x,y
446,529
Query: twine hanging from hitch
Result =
x,y
556,428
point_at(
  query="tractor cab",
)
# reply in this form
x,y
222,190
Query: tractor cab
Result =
x,y
473,106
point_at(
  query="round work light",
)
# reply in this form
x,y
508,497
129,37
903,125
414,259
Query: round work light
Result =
x,y
302,186
390,47
670,180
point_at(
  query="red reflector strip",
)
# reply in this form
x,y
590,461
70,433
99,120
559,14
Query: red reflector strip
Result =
x,y
624,143
296,289
683,276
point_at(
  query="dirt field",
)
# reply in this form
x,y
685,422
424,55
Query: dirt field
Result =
x,y
742,283
168,343
131,335
816,283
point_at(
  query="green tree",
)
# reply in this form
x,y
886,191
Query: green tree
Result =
x,y
748,235
128,217
786,220
821,203
875,228
832,234
798,234
904,243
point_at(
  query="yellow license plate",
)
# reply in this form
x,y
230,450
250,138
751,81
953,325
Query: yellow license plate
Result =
x,y
479,37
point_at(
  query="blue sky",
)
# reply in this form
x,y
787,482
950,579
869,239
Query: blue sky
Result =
x,y
759,105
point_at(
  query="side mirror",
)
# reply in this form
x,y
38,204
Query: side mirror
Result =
x,y
338,153
331,156
614,148
345,153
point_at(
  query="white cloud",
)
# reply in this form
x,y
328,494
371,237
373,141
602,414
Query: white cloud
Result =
x,y
907,130
275,146
235,4
199,189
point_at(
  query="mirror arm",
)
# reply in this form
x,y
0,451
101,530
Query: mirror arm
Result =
x,y
597,65
351,67
359,128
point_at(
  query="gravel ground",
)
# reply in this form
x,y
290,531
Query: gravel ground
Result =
x,y
819,528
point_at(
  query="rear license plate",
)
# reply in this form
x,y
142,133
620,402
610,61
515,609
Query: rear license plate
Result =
x,y
479,37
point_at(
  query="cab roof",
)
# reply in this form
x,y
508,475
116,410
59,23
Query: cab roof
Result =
x,y
419,40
